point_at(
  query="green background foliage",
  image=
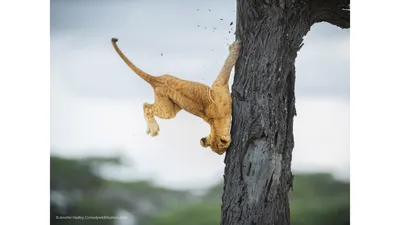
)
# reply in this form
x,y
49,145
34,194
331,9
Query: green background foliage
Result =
x,y
78,189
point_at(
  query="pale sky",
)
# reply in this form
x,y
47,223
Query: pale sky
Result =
x,y
96,100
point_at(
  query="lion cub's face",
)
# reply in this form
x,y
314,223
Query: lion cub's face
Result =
x,y
218,144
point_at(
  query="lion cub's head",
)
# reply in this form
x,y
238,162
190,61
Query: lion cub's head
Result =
x,y
218,144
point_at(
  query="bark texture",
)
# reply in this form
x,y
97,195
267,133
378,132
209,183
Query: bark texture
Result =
x,y
258,163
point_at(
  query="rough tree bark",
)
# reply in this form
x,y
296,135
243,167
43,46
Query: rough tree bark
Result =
x,y
258,163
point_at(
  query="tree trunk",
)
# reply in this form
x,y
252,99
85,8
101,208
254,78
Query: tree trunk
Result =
x,y
258,163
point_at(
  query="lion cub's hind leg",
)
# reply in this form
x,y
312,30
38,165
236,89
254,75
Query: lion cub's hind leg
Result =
x,y
152,125
163,108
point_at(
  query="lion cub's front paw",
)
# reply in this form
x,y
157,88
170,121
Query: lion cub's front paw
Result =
x,y
153,129
234,48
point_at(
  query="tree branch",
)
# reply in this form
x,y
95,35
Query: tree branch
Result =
x,y
336,12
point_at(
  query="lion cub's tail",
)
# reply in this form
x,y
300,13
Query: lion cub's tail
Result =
x,y
147,77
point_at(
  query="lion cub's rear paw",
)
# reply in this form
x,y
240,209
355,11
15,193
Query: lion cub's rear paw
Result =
x,y
153,129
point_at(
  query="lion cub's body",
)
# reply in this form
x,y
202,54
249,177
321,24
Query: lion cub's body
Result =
x,y
212,104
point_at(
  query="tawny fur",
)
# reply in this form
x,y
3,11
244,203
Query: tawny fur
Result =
x,y
212,104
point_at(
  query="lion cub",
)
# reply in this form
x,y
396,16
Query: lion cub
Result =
x,y
212,104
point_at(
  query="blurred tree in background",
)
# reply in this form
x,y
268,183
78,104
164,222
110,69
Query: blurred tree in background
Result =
x,y
79,189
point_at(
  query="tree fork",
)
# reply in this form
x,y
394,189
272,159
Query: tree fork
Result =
x,y
258,163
